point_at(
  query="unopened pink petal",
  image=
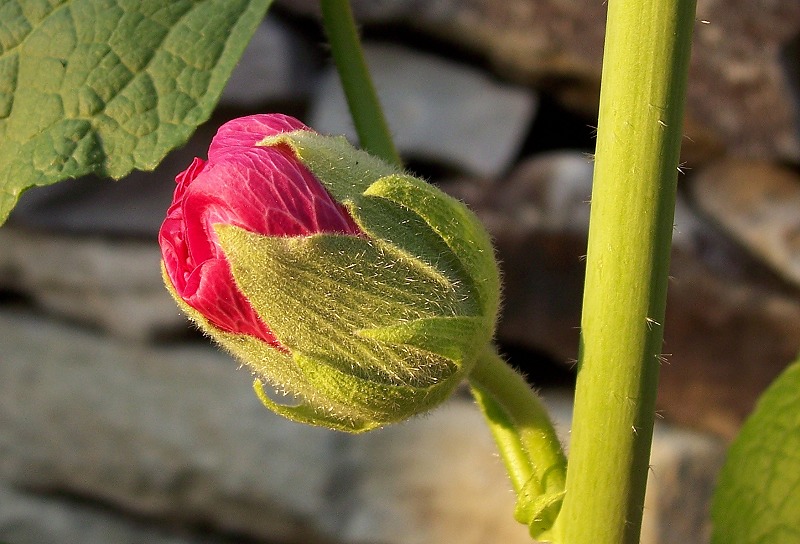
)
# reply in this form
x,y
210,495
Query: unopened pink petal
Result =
x,y
265,190
248,131
215,295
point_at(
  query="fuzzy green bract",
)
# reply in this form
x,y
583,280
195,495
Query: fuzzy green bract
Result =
x,y
109,86
757,500
378,327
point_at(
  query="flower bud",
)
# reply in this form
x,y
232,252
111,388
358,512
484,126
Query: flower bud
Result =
x,y
363,292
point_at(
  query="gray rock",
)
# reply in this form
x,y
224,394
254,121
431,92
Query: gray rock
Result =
x,y
551,189
758,204
114,285
731,328
683,474
171,432
437,110
175,433
371,11
30,518
278,66
434,479
740,94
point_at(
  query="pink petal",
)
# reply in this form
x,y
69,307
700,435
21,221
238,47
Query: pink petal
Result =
x,y
216,296
248,131
265,190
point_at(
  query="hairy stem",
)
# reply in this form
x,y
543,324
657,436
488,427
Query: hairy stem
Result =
x,y
638,143
525,437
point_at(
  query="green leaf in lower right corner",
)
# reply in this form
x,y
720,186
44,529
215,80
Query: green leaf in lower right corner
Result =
x,y
757,500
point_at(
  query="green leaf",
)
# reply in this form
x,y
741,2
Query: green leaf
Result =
x,y
757,500
109,86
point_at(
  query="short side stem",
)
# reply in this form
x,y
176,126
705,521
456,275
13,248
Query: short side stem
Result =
x,y
365,108
639,132
525,437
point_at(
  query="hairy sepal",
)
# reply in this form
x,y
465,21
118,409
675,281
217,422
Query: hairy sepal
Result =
x,y
404,211
366,325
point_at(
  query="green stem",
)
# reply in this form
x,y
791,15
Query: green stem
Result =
x,y
525,437
638,143
373,131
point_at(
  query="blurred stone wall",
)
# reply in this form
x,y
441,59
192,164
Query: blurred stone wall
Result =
x,y
119,424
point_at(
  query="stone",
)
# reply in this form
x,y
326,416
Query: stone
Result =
x,y
758,205
731,324
742,85
370,11
437,110
174,433
30,518
435,479
114,285
731,328
279,66
552,189
740,96
683,474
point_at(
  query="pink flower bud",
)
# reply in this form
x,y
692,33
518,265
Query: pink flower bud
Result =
x,y
359,290
264,190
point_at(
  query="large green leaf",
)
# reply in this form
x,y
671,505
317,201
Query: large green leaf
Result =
x,y
108,86
757,500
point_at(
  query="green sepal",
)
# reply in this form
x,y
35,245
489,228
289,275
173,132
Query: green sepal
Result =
x,y
455,224
455,338
315,291
303,413
323,395
268,363
344,170
366,398
366,324
421,220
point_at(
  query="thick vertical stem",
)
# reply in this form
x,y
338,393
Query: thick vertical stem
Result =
x,y
373,131
638,143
